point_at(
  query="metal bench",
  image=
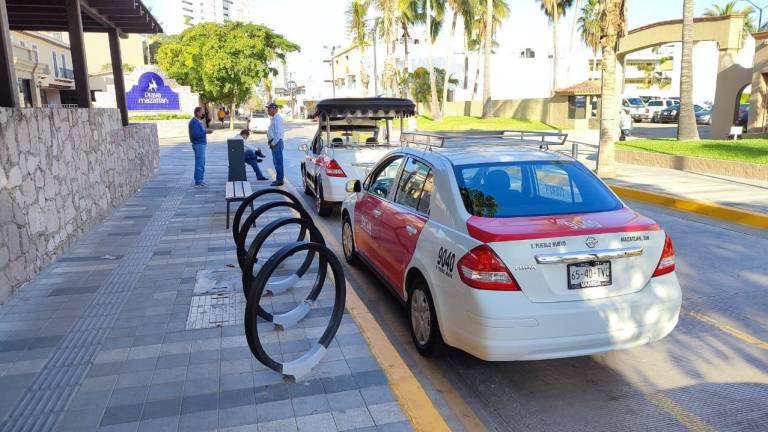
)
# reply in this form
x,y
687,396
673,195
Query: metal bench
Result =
x,y
237,191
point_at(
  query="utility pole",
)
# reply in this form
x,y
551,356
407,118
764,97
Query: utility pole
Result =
x,y
333,68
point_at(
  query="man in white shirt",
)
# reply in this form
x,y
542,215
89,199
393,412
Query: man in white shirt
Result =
x,y
275,135
625,124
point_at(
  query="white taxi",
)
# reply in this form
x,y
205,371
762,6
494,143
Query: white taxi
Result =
x,y
509,251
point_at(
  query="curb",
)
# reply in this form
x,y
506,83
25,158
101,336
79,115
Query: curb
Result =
x,y
718,211
411,396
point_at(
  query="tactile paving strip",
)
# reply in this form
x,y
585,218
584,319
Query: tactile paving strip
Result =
x,y
41,406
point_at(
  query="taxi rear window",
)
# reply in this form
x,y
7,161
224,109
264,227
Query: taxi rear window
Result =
x,y
539,188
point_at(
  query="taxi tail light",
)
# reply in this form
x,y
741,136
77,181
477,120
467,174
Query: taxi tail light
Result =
x,y
667,261
481,268
333,169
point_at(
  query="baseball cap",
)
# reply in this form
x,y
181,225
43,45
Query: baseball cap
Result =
x,y
272,105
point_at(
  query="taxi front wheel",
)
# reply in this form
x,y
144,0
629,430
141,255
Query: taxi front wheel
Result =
x,y
425,330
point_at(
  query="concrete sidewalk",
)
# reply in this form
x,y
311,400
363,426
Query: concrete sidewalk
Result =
x,y
740,193
113,336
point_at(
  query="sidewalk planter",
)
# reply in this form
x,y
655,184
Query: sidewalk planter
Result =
x,y
695,164
61,171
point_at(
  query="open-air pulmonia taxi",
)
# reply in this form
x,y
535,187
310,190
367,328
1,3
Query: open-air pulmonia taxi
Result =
x,y
352,135
508,250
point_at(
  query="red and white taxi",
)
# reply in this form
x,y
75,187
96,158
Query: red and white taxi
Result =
x,y
511,252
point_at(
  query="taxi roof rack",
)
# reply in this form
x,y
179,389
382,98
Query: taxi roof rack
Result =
x,y
430,140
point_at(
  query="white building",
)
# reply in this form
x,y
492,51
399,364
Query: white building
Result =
x,y
177,15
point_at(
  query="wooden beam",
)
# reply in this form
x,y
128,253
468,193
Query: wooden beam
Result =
x,y
77,49
9,87
96,16
117,74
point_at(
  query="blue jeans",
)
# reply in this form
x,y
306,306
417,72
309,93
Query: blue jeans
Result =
x,y
250,159
277,159
199,150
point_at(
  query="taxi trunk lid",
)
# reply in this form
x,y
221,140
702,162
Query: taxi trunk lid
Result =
x,y
575,257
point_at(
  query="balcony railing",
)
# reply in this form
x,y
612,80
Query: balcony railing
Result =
x,y
65,73
54,105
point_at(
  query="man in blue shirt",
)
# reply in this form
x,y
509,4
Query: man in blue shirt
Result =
x,y
197,136
275,135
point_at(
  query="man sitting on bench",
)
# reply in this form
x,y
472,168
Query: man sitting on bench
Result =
x,y
253,156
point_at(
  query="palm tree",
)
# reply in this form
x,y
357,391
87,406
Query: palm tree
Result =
x,y
686,125
554,10
463,8
387,28
589,27
475,31
613,23
730,9
357,28
487,59
432,7
408,15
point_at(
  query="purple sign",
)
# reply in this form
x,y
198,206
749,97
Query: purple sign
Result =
x,y
151,94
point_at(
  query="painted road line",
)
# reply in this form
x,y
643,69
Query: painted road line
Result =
x,y
730,214
730,330
686,418
422,413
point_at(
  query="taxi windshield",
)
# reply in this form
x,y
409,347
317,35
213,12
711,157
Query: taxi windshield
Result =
x,y
536,188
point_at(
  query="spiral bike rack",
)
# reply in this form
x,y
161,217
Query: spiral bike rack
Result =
x,y
303,365
310,242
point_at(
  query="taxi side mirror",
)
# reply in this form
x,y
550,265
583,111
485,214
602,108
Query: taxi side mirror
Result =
x,y
354,186
303,147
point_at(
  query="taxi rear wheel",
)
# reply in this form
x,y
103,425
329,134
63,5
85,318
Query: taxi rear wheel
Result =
x,y
307,189
323,207
425,330
348,242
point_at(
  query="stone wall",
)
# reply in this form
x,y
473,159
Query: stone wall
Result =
x,y
62,171
530,109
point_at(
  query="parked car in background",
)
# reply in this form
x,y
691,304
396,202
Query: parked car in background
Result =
x,y
743,118
636,108
704,117
672,115
258,122
655,107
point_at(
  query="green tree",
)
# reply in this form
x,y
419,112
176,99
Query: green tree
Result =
x,y
223,62
434,13
357,28
730,9
421,87
408,15
589,27
554,10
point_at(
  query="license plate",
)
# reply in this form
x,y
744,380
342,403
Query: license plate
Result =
x,y
589,275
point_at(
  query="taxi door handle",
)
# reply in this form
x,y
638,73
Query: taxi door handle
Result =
x,y
410,230
376,213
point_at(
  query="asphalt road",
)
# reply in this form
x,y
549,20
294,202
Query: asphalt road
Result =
x,y
647,130
710,374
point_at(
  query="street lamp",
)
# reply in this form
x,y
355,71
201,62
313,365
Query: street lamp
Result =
x,y
291,85
760,15
333,66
